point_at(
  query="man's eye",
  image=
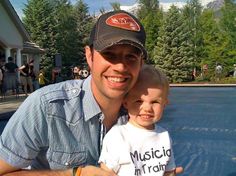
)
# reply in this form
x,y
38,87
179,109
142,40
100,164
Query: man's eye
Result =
x,y
138,101
131,57
108,55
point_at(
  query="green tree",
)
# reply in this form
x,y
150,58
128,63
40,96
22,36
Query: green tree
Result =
x,y
147,6
152,23
58,27
39,22
68,41
151,17
228,27
173,53
115,5
102,10
84,25
192,13
215,42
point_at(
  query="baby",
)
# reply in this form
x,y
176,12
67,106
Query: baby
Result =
x,y
141,147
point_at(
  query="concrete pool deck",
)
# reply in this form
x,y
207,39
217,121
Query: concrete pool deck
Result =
x,y
9,104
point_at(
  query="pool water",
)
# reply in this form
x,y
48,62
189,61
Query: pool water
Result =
x,y
202,123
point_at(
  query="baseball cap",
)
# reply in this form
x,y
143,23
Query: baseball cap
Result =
x,y
118,27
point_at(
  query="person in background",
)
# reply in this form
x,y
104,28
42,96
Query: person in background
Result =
x,y
218,71
234,74
76,72
34,76
1,74
42,79
58,129
56,75
26,80
84,73
10,76
141,147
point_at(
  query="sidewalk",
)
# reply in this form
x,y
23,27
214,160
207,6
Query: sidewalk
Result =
x,y
9,104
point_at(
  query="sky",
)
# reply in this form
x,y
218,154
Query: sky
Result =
x,y
95,5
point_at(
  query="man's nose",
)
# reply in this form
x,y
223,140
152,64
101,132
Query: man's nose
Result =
x,y
121,65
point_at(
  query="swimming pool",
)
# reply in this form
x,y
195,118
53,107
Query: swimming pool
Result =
x,y
202,123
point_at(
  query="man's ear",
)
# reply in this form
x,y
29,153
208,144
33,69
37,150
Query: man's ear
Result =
x,y
124,103
89,56
142,62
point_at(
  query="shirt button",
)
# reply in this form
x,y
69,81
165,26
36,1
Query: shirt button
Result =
x,y
74,91
67,164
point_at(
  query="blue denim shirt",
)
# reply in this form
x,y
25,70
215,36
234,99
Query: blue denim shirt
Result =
x,y
56,127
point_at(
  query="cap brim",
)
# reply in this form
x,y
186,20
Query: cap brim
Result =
x,y
104,44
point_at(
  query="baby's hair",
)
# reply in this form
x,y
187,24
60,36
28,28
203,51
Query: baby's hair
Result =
x,y
150,74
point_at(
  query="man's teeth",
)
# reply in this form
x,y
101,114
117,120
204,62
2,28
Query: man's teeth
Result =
x,y
115,79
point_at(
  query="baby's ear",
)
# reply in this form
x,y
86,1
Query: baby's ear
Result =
x,y
167,102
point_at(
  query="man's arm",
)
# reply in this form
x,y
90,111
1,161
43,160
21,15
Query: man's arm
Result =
x,y
86,171
170,173
178,170
40,173
6,168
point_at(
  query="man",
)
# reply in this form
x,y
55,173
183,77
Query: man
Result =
x,y
10,76
26,72
61,126
2,63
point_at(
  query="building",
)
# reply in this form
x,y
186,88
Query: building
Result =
x,y
14,39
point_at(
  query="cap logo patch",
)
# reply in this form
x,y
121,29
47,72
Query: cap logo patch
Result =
x,y
123,21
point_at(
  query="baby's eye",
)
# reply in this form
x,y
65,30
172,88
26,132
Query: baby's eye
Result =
x,y
156,102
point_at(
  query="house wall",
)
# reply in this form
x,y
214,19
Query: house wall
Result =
x,y
9,35
13,38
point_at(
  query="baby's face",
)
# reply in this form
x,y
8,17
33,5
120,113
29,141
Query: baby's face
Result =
x,y
145,105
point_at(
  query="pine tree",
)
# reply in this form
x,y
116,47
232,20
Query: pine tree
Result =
x,y
147,6
192,13
58,27
38,20
215,42
84,25
115,5
228,27
68,43
173,52
151,17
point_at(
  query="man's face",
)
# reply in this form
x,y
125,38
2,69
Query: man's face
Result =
x,y
114,71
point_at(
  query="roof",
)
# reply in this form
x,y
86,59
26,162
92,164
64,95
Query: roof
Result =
x,y
30,47
15,19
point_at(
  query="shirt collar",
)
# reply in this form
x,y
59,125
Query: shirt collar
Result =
x,y
90,105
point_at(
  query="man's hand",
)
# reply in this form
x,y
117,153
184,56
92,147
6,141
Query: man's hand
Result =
x,y
86,171
95,171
